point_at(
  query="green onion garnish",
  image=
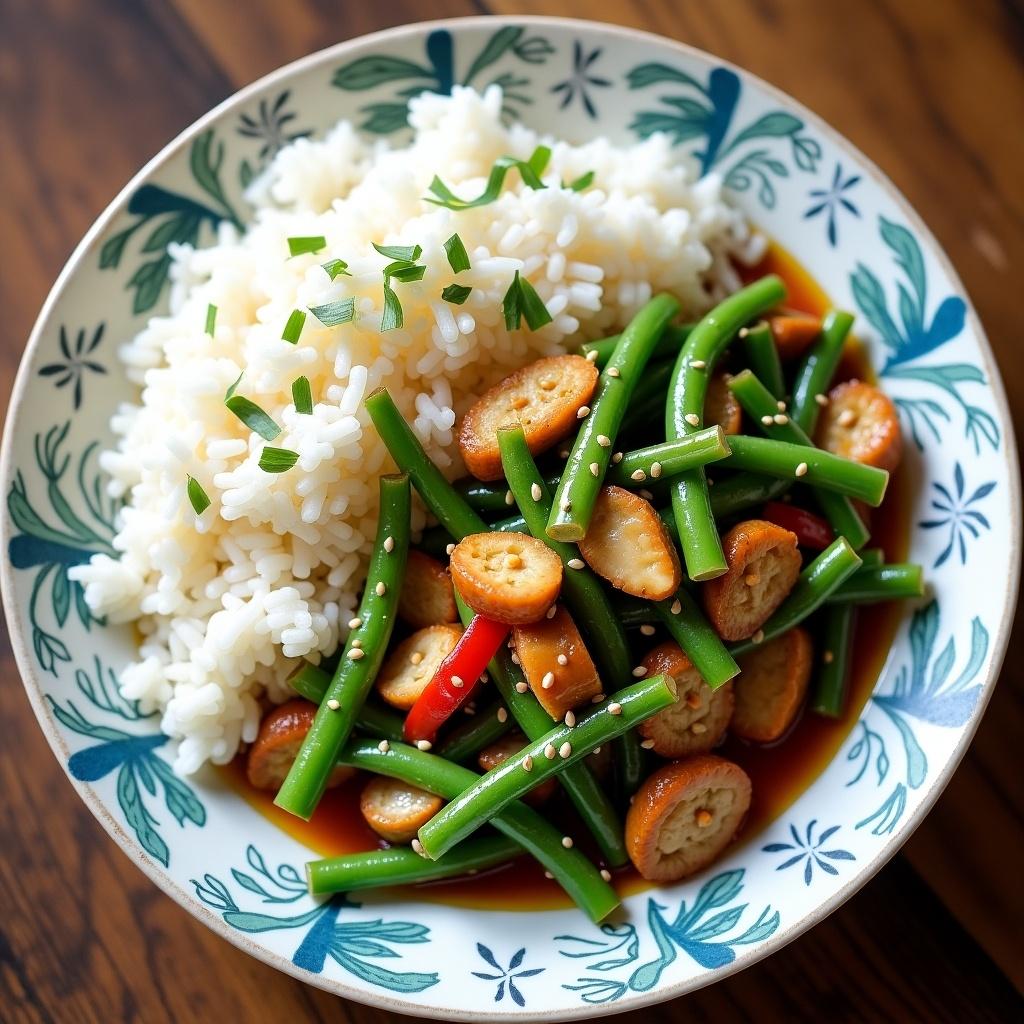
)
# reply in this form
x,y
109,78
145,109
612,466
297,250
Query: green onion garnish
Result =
x,y
582,182
521,300
277,460
252,416
393,317
405,272
211,319
458,258
404,253
234,387
302,396
335,268
199,498
529,170
456,294
293,328
331,314
306,243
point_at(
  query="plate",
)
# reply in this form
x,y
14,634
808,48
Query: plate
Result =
x,y
807,188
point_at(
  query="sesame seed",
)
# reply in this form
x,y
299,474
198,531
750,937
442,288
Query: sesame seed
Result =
x,y
389,544
676,606
821,399
828,657
711,483
564,453
801,470
515,659
549,751
698,728
355,623
576,563
693,419
781,418
535,492
638,475
547,874
743,332
780,405
469,709
355,653
567,842
417,847
617,458
604,440
502,715
527,763
562,660
693,700
484,677
592,355
655,470
703,818
449,549
565,750
596,750
570,719
357,642
551,612
522,686
758,636
639,672
698,364
597,698
767,420
595,469
615,708
846,417
423,744
647,744
647,630
548,681
333,704
457,682
383,746
381,589
606,874
583,412
510,498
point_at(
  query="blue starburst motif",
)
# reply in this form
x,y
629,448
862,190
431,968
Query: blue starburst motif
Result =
x,y
506,976
831,201
809,850
581,80
77,361
957,516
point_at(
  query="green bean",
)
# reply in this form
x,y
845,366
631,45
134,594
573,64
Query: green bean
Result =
x,y
571,869
542,758
591,452
670,458
578,781
741,491
871,583
830,686
759,404
438,495
763,357
434,541
648,401
817,582
364,652
687,625
668,344
477,732
491,498
587,601
816,371
820,469
311,682
684,409
871,556
401,866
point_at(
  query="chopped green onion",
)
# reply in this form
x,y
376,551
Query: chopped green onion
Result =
x,y
336,268
331,314
582,182
199,498
302,396
405,272
405,253
511,307
234,387
306,243
458,258
456,294
393,317
211,319
529,170
252,416
293,328
277,460
521,300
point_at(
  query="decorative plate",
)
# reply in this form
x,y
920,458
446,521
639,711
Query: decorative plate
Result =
x,y
807,188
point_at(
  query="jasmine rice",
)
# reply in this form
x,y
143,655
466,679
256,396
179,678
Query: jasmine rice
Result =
x,y
270,572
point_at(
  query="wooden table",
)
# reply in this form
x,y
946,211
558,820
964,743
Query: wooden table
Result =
x,y
933,90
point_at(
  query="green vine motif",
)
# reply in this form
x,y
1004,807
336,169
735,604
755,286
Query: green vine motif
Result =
x,y
351,944
438,74
177,219
270,126
140,770
695,930
922,696
706,112
50,551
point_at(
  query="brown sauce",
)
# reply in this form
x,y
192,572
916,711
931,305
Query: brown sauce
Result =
x,y
779,773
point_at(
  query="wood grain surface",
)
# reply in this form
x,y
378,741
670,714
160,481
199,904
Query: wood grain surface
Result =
x,y
932,90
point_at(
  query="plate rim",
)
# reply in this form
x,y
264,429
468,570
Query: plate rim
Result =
x,y
193,906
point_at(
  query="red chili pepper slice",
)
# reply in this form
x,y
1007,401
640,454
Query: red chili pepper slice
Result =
x,y
442,696
811,531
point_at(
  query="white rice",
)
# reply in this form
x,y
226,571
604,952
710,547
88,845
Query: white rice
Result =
x,y
227,601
